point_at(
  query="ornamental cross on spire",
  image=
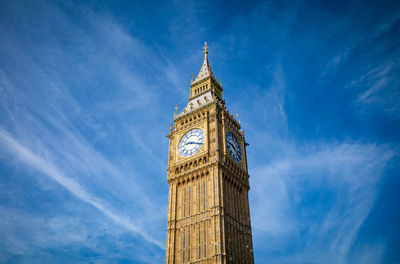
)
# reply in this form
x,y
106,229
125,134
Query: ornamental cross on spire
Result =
x,y
205,48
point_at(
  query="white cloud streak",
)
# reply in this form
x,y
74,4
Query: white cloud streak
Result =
x,y
49,126
341,179
310,196
44,166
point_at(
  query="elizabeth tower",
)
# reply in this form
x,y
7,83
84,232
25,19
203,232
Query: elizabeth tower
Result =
x,y
208,206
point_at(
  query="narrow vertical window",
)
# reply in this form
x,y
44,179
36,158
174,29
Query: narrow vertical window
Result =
x,y
184,203
189,201
205,242
199,200
204,198
183,251
199,254
189,246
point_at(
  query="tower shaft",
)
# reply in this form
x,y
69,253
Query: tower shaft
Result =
x,y
208,207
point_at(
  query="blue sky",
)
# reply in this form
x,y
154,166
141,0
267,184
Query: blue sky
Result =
x,y
87,95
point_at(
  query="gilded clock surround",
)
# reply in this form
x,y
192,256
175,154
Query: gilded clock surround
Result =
x,y
208,207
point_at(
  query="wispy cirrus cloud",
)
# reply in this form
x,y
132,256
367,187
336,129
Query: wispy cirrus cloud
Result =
x,y
334,183
59,122
34,161
378,90
376,60
336,186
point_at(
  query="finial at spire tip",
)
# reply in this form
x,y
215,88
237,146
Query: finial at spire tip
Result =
x,y
205,48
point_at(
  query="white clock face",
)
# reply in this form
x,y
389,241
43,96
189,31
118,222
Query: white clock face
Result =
x,y
233,146
191,142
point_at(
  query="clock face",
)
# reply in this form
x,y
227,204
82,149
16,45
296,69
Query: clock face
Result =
x,y
233,146
191,142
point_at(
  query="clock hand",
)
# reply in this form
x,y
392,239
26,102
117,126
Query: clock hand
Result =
x,y
230,144
193,143
234,147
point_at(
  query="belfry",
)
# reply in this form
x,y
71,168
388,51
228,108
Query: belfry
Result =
x,y
208,206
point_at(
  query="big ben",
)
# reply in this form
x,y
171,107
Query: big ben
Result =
x,y
208,206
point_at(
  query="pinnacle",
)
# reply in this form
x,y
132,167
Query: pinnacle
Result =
x,y
205,70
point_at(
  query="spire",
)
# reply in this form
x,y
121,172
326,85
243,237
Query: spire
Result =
x,y
205,70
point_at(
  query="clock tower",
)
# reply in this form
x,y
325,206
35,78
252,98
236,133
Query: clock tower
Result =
x,y
208,205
